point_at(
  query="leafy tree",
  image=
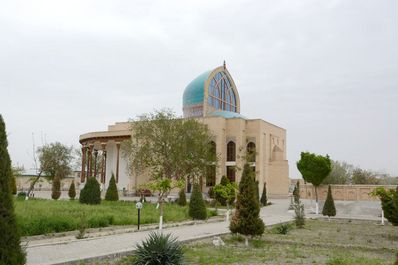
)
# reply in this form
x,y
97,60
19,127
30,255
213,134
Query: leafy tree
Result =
x,y
264,199
389,203
360,176
329,209
340,174
170,150
10,243
72,190
111,193
55,162
91,193
182,199
56,188
224,192
246,220
314,168
197,207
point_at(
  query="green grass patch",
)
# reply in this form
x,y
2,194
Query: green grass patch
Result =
x,y
39,216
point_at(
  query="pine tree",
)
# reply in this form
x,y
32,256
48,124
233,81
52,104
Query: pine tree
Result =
x,y
246,220
182,199
197,207
91,193
264,199
56,188
10,242
112,193
329,209
72,191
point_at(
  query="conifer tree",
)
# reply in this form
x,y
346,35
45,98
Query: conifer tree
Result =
x,y
329,209
112,193
56,188
13,185
72,190
10,248
197,207
246,220
91,193
257,189
264,199
182,199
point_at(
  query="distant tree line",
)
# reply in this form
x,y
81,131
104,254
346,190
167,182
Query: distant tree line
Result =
x,y
345,173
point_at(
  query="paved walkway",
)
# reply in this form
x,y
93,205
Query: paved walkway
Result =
x,y
42,252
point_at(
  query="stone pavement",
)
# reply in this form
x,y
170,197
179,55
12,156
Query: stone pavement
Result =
x,y
56,251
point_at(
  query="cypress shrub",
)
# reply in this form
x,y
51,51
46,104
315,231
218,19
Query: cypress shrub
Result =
x,y
13,185
10,242
264,199
329,209
91,193
72,191
56,188
296,193
246,220
112,193
197,207
182,199
257,190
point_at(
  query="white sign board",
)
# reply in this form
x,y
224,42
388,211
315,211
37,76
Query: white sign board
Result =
x,y
138,205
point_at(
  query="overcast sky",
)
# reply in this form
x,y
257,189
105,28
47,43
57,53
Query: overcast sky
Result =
x,y
327,71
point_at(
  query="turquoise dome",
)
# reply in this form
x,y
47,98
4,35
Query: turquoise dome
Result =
x,y
194,92
227,114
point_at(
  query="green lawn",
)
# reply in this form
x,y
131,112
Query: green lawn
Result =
x,y
39,216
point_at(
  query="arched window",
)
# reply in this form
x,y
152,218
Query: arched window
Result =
x,y
231,151
251,152
221,94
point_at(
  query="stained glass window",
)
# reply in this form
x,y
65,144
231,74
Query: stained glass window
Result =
x,y
221,94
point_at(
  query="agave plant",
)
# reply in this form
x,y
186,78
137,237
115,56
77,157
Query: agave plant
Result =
x,y
159,249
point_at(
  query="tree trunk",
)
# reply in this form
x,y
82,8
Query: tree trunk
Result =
x,y
32,185
161,216
316,201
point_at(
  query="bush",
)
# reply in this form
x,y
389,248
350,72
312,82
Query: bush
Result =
x,y
91,193
112,193
22,194
72,191
159,249
197,207
299,217
223,199
211,193
329,209
56,188
264,199
182,199
296,193
282,229
389,203
247,219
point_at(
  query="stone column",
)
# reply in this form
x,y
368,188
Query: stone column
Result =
x,y
95,162
83,173
103,164
117,161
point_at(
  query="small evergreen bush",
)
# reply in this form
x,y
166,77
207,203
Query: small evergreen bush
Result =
x,y
329,209
182,199
197,207
91,193
264,199
247,219
72,191
282,229
56,188
299,217
112,193
157,249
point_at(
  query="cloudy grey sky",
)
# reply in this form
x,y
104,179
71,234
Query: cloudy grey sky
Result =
x,y
327,71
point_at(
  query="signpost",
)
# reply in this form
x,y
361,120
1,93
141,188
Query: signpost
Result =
x,y
139,205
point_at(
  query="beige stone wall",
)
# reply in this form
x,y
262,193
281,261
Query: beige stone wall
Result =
x,y
23,183
342,192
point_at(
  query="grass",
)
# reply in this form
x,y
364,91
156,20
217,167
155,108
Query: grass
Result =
x,y
39,216
320,243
